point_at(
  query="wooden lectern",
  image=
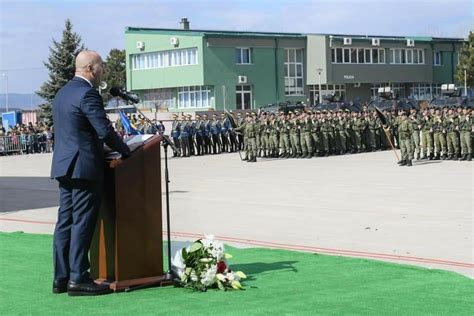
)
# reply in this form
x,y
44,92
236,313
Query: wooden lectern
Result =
x,y
127,247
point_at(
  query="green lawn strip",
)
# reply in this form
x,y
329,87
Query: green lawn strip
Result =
x,y
279,282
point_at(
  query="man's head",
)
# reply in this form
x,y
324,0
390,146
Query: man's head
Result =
x,y
89,65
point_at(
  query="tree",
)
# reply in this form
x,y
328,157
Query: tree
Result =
x,y
466,61
114,71
61,67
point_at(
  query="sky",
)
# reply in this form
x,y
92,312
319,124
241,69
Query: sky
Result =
x,y
28,27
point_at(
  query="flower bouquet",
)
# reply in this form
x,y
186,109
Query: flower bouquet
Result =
x,y
203,265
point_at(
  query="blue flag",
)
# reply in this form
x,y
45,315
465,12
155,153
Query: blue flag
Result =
x,y
130,129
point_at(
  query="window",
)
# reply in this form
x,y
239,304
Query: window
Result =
x,y
368,56
347,56
409,56
375,56
360,55
243,56
406,56
438,59
338,55
194,97
354,55
421,56
243,97
333,89
172,58
294,72
333,55
161,98
381,56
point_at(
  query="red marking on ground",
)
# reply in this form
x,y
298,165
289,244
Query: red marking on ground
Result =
x,y
341,252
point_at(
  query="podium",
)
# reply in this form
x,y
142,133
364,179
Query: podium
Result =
x,y
127,247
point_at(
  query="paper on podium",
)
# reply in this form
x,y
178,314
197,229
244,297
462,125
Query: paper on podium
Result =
x,y
133,142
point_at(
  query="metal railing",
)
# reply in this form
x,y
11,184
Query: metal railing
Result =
x,y
23,144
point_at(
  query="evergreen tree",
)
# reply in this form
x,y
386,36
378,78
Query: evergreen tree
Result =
x,y
466,61
114,71
61,67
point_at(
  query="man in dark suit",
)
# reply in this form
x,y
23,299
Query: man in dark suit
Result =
x,y
81,127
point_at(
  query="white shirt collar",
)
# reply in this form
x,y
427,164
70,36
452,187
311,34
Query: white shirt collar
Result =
x,y
85,80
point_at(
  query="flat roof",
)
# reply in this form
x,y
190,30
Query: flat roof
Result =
x,y
131,29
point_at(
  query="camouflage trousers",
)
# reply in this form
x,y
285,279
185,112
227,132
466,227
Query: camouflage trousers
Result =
x,y
295,143
406,148
372,142
273,143
440,143
306,143
252,148
453,143
416,141
466,142
316,142
264,142
426,143
285,144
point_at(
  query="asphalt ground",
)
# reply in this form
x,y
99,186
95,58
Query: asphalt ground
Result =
x,y
361,205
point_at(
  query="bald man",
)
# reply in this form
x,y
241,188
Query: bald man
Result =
x,y
81,128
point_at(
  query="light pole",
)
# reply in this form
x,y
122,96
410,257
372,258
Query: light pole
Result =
x,y
223,95
6,94
465,80
319,70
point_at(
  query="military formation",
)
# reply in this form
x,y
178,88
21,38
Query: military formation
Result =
x,y
426,134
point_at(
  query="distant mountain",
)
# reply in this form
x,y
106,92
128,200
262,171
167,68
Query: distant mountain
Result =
x,y
24,101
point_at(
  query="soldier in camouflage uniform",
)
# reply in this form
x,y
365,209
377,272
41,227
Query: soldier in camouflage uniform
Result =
x,y
466,127
306,127
439,135
175,130
249,129
284,132
415,120
372,132
405,132
316,133
273,138
426,127
452,126
265,136
295,136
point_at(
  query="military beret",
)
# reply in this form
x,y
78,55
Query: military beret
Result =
x,y
205,115
198,116
318,112
346,110
254,114
290,112
247,113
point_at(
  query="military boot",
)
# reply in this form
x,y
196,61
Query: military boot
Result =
x,y
402,163
450,157
437,157
464,157
418,156
254,159
469,157
443,157
431,157
409,164
455,157
424,157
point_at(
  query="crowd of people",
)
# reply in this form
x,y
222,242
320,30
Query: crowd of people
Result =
x,y
26,139
426,134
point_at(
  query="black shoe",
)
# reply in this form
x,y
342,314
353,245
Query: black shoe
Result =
x,y
402,163
88,288
424,157
437,157
443,157
409,164
450,157
60,286
417,156
469,157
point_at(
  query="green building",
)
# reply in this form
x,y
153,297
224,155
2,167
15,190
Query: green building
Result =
x,y
194,70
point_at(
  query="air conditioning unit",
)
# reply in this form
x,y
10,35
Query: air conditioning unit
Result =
x,y
376,42
141,45
357,85
242,79
174,41
410,43
347,41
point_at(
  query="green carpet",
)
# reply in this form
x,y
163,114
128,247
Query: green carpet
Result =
x,y
280,282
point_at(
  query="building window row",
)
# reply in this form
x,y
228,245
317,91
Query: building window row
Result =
x,y
294,83
171,58
158,98
194,97
243,56
358,55
407,56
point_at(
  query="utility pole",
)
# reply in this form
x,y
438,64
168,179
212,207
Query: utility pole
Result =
x,y
6,95
320,70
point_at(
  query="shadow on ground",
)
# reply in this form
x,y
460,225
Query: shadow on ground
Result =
x,y
253,269
24,193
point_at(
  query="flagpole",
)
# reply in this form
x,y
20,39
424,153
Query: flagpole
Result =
x,y
390,142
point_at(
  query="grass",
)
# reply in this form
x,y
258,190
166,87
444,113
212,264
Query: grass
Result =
x,y
279,282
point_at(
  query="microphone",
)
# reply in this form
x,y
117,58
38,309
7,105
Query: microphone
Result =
x,y
117,92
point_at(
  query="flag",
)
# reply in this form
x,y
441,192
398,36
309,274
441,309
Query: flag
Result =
x,y
382,117
231,119
129,128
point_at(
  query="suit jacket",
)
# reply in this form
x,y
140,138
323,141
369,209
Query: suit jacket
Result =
x,y
80,129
